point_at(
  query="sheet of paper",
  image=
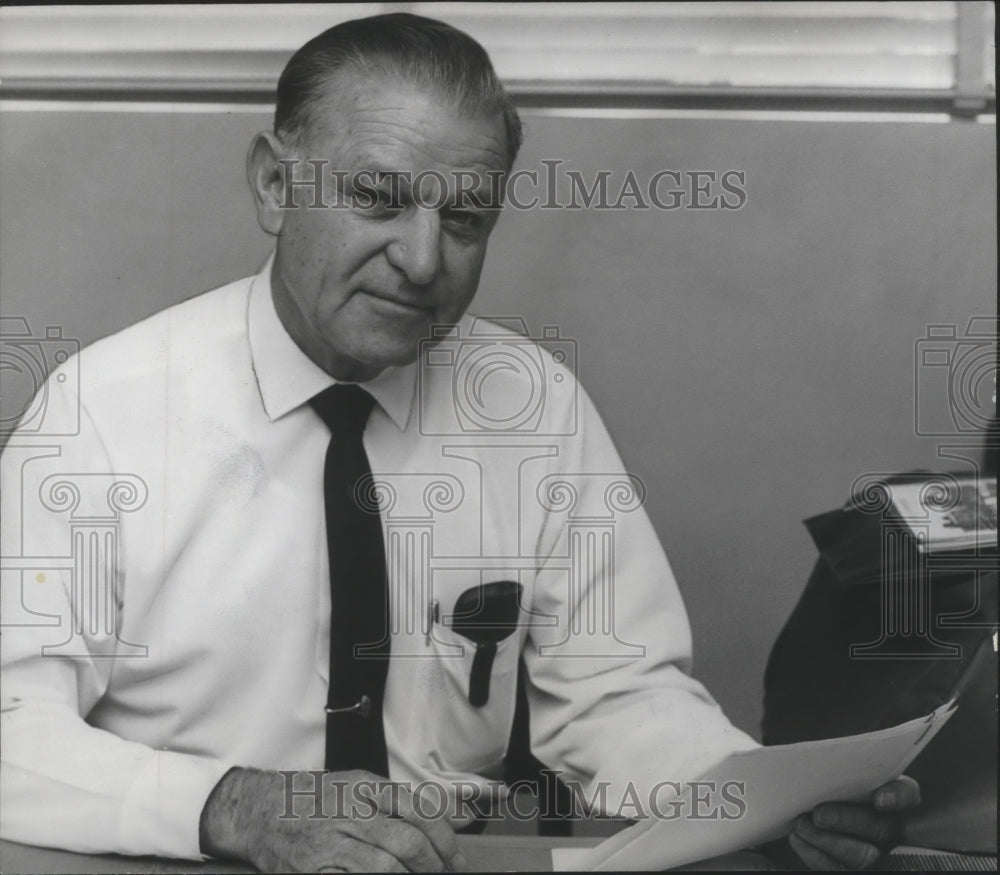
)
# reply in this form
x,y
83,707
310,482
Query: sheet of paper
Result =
x,y
777,784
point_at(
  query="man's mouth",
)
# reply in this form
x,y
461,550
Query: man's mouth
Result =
x,y
399,303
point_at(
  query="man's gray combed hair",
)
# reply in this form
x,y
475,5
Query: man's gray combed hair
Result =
x,y
429,53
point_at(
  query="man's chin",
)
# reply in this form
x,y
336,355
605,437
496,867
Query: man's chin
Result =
x,y
364,365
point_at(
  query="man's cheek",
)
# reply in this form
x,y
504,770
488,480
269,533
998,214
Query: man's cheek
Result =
x,y
459,296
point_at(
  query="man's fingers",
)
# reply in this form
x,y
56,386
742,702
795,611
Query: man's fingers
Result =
x,y
899,795
812,857
849,835
845,850
426,817
861,821
405,843
358,856
411,846
418,835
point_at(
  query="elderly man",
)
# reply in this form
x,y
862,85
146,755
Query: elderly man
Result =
x,y
332,541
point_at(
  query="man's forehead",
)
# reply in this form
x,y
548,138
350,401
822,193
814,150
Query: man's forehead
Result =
x,y
377,119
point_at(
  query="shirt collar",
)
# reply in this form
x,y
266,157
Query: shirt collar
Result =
x,y
287,378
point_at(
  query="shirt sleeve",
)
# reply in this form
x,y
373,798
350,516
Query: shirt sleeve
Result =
x,y
612,701
63,782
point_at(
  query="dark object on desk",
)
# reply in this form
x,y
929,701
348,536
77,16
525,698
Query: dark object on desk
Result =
x,y
931,862
486,615
882,635
520,764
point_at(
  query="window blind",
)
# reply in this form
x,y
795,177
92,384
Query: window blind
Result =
x,y
698,53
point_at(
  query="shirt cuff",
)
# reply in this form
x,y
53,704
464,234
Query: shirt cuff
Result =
x,y
161,813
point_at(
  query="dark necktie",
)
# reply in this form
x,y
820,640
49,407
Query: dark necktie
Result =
x,y
359,622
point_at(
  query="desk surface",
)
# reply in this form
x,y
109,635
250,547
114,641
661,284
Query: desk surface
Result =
x,y
485,853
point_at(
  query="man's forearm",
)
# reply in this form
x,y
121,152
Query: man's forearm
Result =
x,y
68,785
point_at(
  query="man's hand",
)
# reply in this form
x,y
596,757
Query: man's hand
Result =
x,y
356,822
844,835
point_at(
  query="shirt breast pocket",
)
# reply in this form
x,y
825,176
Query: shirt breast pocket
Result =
x,y
476,686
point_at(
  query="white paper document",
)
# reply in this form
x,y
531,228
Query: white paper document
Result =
x,y
776,785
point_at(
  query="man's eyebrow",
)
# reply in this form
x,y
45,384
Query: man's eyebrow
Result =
x,y
466,188
377,172
487,193
373,175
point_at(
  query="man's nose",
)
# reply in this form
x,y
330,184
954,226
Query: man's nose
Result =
x,y
416,250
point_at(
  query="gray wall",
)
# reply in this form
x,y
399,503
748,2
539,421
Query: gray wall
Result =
x,y
749,363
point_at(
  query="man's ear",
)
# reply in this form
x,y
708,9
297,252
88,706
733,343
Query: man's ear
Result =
x,y
267,180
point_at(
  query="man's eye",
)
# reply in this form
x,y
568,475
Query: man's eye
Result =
x,y
384,202
464,219
377,202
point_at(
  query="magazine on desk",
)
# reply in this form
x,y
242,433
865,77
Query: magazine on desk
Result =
x,y
953,516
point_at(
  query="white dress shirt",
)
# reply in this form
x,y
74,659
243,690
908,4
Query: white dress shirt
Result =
x,y
166,599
